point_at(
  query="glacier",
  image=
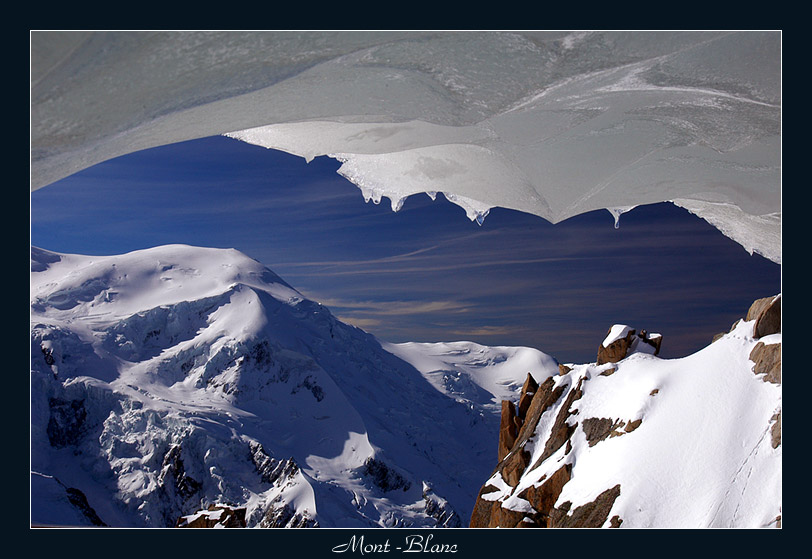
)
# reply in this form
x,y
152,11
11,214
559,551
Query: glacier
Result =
x,y
176,380
552,123
170,379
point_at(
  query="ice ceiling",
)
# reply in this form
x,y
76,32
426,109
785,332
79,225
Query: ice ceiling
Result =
x,y
551,123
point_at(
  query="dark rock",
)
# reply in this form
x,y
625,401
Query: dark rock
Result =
x,y
173,475
598,429
282,515
615,522
620,348
270,469
563,369
48,355
310,384
214,516
767,361
66,423
503,517
632,425
767,315
616,350
561,430
78,500
514,466
654,340
590,515
543,497
508,429
440,510
481,515
383,476
775,431
528,391
546,395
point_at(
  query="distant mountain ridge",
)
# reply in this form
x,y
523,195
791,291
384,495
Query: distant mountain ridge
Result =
x,y
180,379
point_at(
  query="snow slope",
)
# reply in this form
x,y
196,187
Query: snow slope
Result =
x,y
686,443
168,379
552,123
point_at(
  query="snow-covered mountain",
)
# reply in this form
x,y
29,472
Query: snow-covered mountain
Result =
x,y
169,380
633,440
193,386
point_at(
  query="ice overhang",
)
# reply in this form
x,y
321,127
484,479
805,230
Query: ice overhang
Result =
x,y
550,123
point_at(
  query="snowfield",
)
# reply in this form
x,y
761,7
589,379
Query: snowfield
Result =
x,y
175,378
686,443
171,379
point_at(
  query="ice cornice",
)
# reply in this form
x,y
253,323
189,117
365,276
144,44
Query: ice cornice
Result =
x,y
550,123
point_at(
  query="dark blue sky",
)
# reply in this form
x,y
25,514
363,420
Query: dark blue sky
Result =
x,y
426,273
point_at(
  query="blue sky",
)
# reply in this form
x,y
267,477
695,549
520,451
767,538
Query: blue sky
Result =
x,y
426,273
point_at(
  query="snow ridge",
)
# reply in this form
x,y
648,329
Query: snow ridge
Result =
x,y
647,442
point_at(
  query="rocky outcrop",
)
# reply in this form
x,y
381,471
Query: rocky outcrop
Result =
x,y
270,470
516,460
766,358
282,515
79,500
524,491
767,361
616,350
508,429
384,476
543,497
767,316
599,429
66,423
775,430
627,342
439,509
592,514
528,391
215,516
174,478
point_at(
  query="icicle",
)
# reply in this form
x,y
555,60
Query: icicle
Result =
x,y
397,204
476,211
617,211
432,194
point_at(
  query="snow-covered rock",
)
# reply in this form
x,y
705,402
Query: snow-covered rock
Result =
x,y
172,379
646,442
622,340
551,123
214,516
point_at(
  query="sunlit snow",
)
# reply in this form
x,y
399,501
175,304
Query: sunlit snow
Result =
x,y
550,123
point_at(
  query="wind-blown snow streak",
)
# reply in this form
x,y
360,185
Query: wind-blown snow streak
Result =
x,y
551,123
